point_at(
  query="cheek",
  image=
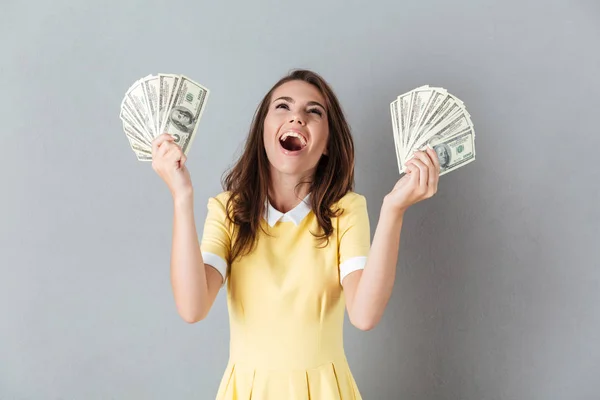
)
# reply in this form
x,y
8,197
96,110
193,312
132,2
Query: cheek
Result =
x,y
322,138
270,126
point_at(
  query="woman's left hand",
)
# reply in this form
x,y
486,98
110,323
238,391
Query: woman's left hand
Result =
x,y
419,183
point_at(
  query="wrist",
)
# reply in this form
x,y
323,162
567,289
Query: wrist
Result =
x,y
183,200
392,210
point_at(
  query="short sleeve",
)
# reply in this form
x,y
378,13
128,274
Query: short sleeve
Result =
x,y
216,238
354,234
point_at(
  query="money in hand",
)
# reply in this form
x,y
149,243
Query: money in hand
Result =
x,y
432,116
163,103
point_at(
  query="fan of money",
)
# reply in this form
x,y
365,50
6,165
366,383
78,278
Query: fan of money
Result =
x,y
162,103
432,116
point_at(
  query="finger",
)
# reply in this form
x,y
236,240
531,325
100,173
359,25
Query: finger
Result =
x,y
424,157
159,140
413,172
409,167
434,169
434,157
423,173
163,149
166,147
174,155
434,174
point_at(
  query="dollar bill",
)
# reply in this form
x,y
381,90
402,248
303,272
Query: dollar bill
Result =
x,y
455,151
162,103
420,97
137,100
185,111
133,134
396,132
150,89
404,103
432,105
167,84
128,117
457,123
431,115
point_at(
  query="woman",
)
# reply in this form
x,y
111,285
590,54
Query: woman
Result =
x,y
290,240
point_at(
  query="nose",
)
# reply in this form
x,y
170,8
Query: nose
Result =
x,y
297,119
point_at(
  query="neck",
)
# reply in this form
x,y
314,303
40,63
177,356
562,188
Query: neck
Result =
x,y
286,191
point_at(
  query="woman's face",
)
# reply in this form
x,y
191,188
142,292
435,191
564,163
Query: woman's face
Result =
x,y
296,128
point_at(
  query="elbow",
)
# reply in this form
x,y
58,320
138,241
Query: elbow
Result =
x,y
191,319
365,323
192,316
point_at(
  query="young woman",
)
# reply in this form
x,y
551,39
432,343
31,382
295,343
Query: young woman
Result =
x,y
290,240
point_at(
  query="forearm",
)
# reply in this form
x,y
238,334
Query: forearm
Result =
x,y
188,275
377,281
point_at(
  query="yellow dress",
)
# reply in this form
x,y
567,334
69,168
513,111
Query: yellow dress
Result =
x,y
286,304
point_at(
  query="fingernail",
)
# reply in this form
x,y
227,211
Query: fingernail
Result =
x,y
428,145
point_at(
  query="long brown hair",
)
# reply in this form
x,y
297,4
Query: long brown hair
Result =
x,y
248,180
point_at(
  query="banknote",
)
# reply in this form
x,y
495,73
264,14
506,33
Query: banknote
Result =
x,y
432,116
455,151
162,103
185,111
150,88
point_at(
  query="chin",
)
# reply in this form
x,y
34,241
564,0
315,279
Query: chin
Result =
x,y
291,167
288,169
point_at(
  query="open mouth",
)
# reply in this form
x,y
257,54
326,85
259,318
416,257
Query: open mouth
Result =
x,y
292,141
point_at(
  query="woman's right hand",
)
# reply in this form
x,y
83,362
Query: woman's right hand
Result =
x,y
168,161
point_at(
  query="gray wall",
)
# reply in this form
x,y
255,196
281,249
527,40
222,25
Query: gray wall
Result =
x,y
497,295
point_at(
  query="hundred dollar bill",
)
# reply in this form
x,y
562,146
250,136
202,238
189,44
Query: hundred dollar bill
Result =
x,y
419,98
166,91
448,128
396,133
185,111
128,117
432,117
134,135
142,156
138,102
141,151
150,89
455,151
432,105
403,103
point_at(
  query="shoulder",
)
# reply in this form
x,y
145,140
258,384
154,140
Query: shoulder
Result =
x,y
219,200
218,204
351,209
222,197
352,201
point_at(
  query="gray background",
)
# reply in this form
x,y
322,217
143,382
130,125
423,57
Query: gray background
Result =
x,y
497,294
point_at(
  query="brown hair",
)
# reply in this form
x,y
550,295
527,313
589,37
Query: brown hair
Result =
x,y
248,180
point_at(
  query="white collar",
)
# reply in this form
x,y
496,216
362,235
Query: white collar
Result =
x,y
295,215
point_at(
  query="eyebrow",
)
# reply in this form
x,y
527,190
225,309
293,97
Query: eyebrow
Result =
x,y
290,100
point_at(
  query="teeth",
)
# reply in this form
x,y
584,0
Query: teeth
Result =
x,y
293,134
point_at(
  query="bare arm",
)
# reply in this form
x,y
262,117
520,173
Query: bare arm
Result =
x,y
195,285
368,291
